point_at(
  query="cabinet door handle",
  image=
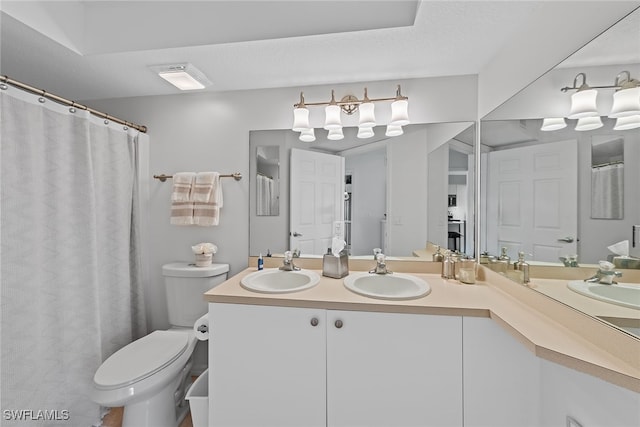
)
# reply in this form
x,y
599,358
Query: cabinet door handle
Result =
x,y
314,321
338,324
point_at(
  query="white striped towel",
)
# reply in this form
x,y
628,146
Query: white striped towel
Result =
x,y
203,188
182,183
181,198
207,213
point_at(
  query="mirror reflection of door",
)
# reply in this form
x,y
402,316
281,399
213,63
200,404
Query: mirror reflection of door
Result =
x,y
268,180
532,200
607,177
317,200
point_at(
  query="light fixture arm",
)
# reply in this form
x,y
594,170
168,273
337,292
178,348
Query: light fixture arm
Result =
x,y
349,101
618,84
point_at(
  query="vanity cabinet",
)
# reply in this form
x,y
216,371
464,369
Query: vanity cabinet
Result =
x,y
284,366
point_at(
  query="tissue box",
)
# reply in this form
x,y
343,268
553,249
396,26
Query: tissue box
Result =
x,y
626,262
335,267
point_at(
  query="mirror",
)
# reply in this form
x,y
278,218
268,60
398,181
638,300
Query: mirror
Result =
x,y
394,192
267,180
562,206
607,177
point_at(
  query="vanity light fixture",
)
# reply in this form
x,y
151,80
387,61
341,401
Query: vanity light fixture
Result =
x,y
628,122
553,123
183,76
588,123
626,100
350,104
626,103
307,135
583,102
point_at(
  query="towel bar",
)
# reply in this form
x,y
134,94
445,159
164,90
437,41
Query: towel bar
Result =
x,y
237,176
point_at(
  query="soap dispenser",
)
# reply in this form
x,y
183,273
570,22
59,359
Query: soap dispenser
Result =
x,y
523,266
438,256
504,261
448,268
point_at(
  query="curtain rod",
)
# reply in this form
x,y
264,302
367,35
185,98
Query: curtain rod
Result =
x,y
64,101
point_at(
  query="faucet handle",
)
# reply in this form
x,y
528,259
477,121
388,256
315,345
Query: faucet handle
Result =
x,y
380,257
288,256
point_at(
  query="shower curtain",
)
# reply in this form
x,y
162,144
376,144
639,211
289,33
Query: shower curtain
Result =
x,y
265,195
607,191
71,281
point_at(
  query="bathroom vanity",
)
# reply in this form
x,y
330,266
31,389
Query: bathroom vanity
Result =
x,y
462,355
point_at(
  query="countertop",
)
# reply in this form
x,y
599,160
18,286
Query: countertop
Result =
x,y
547,328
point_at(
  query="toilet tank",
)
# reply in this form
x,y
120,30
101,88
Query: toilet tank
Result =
x,y
185,283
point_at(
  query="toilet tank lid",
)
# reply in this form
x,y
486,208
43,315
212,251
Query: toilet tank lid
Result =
x,y
185,269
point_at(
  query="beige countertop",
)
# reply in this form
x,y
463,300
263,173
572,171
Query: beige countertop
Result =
x,y
546,327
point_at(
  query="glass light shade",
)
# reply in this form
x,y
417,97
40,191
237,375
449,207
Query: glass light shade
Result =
x,y
583,104
332,117
399,112
626,102
553,123
300,119
335,134
589,123
365,132
626,123
307,135
393,130
367,115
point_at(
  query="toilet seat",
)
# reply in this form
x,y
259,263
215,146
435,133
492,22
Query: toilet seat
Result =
x,y
141,359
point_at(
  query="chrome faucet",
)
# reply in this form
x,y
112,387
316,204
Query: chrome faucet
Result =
x,y
569,261
605,274
287,262
381,265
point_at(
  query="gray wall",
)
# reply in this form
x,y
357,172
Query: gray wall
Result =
x,y
210,131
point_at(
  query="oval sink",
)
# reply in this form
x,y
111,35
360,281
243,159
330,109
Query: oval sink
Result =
x,y
626,295
396,286
275,281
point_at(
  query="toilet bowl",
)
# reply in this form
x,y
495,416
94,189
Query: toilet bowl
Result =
x,y
151,375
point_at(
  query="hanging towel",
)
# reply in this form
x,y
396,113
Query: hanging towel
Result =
x,y
203,187
182,183
207,213
181,198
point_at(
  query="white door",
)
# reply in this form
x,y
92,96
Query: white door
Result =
x,y
266,366
532,200
316,200
392,369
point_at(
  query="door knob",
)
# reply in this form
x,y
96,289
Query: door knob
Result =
x,y
296,234
566,240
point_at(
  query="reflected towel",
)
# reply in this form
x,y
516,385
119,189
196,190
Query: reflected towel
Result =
x,y
607,192
207,213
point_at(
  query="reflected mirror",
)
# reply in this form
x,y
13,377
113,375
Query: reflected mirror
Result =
x,y
607,177
558,192
394,192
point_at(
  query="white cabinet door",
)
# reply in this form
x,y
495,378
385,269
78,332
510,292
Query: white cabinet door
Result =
x,y
388,369
501,378
266,366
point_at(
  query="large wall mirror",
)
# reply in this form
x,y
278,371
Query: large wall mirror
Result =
x,y
393,193
572,191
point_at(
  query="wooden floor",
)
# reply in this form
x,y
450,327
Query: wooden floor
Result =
x,y
114,419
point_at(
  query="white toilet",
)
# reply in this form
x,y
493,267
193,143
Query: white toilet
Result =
x,y
149,377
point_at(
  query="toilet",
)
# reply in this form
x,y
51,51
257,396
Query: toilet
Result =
x,y
149,376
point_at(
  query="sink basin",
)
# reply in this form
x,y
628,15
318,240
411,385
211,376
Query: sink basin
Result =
x,y
626,295
396,286
275,281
